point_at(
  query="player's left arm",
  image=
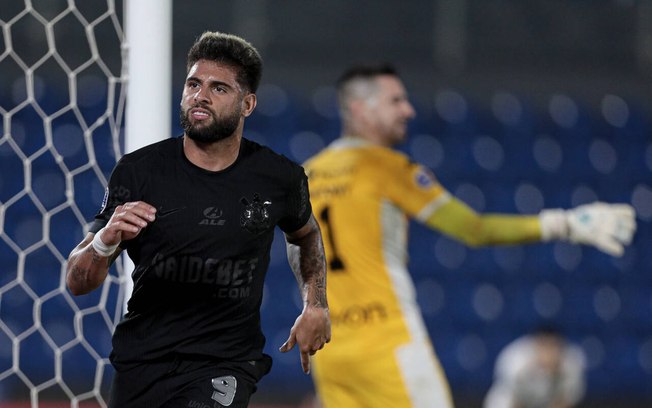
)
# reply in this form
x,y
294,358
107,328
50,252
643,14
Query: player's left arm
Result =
x,y
312,329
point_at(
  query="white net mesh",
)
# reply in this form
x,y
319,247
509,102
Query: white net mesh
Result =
x,y
62,97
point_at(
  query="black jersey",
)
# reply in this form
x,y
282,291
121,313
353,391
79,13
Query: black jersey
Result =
x,y
201,264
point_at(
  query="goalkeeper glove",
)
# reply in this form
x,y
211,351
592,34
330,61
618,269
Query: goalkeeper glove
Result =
x,y
607,227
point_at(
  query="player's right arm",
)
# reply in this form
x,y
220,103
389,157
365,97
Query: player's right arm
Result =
x,y
86,269
88,264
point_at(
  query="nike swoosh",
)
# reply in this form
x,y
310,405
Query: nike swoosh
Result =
x,y
164,213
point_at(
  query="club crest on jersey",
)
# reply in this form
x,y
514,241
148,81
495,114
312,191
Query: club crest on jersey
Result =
x,y
255,217
424,178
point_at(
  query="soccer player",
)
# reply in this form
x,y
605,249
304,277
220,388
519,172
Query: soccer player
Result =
x,y
197,214
362,193
538,370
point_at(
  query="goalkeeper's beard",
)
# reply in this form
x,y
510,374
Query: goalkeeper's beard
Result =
x,y
217,130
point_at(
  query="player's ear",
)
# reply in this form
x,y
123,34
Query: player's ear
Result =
x,y
248,104
359,108
356,106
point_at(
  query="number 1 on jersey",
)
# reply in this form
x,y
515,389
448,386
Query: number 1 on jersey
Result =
x,y
335,263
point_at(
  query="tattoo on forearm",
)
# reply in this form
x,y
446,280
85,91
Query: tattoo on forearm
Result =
x,y
309,265
82,276
98,259
319,293
95,256
79,276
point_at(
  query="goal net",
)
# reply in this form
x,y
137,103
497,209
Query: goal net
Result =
x,y
62,104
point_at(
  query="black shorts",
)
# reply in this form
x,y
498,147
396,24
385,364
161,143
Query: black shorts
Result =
x,y
187,382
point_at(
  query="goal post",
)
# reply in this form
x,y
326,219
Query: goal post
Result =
x,y
81,83
149,71
149,77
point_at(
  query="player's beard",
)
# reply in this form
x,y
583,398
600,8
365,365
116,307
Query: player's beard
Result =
x,y
218,129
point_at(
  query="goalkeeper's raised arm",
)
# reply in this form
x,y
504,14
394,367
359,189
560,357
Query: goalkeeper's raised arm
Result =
x,y
608,227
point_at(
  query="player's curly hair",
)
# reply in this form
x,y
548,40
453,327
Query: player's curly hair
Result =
x,y
232,50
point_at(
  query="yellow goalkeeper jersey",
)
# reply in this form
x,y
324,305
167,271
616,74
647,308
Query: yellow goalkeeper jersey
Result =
x,y
362,195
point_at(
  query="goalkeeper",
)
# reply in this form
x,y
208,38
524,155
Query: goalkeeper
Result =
x,y
363,191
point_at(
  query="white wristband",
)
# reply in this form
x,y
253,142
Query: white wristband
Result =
x,y
554,224
101,248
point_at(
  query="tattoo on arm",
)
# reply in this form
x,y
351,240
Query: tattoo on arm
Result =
x,y
307,260
78,276
86,275
103,261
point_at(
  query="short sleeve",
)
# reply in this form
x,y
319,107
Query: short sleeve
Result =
x,y
409,185
121,189
298,208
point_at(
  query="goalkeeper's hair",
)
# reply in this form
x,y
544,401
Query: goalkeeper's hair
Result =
x,y
359,82
231,50
365,72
